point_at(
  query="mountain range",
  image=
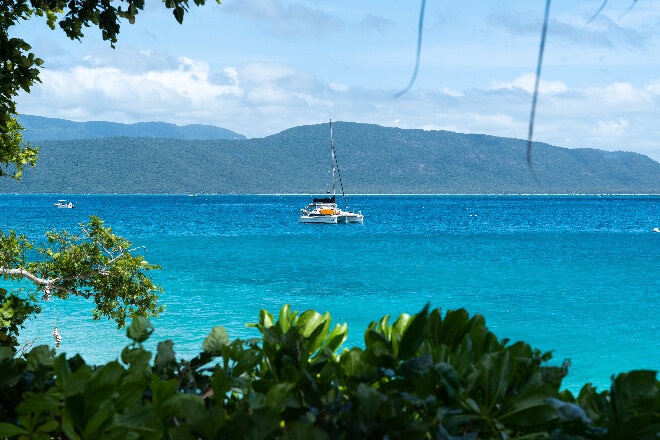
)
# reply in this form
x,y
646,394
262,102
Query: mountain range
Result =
x,y
104,157
39,128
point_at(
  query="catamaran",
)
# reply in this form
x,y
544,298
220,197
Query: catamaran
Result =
x,y
325,209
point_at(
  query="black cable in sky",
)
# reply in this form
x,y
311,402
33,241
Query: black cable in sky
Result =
x,y
536,83
419,51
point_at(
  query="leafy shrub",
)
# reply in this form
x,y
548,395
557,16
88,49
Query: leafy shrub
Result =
x,y
424,376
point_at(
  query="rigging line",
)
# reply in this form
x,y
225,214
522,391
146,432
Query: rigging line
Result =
x,y
332,159
602,6
536,86
598,11
632,5
419,51
341,184
335,165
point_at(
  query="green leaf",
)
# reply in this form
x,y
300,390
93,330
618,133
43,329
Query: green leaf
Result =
x,y
414,334
137,358
351,362
62,370
129,393
449,379
49,426
140,329
596,405
394,333
165,354
69,429
178,13
38,403
246,360
220,383
216,341
162,389
417,366
8,430
189,406
497,372
277,394
639,427
40,356
537,415
266,319
336,337
378,351
453,328
304,431
636,392
309,324
138,418
77,382
369,402
101,418
286,318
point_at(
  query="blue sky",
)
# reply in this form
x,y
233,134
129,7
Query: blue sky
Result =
x,y
258,67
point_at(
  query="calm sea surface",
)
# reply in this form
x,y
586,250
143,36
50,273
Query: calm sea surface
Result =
x,y
576,275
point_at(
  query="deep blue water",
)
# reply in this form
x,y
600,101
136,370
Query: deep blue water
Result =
x,y
578,275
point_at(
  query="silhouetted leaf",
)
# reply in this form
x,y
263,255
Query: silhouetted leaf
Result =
x,y
216,341
414,334
140,329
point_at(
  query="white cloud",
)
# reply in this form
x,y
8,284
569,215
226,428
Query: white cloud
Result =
x,y
526,83
654,87
451,92
83,92
338,87
611,128
621,93
258,99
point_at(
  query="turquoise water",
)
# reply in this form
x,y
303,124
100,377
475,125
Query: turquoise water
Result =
x,y
577,275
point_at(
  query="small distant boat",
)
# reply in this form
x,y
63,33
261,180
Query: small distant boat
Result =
x,y
325,209
656,229
63,204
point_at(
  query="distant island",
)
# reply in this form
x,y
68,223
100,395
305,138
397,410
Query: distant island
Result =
x,y
38,128
150,158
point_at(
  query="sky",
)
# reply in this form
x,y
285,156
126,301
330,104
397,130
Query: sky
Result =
x,y
258,67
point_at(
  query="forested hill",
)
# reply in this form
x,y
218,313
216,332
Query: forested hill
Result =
x,y
372,159
38,128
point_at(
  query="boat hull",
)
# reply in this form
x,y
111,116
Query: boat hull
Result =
x,y
324,219
351,217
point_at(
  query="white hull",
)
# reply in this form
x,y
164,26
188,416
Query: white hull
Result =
x,y
319,219
332,219
63,204
351,217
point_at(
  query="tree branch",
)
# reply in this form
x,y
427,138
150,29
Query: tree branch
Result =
x,y
51,283
25,274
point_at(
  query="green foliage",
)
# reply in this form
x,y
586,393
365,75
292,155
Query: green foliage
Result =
x,y
14,311
95,264
424,376
14,156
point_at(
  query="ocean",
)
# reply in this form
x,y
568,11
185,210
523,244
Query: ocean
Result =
x,y
575,275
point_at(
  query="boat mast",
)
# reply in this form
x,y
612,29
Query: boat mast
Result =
x,y
335,165
332,159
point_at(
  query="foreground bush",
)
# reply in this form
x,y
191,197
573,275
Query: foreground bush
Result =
x,y
425,376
